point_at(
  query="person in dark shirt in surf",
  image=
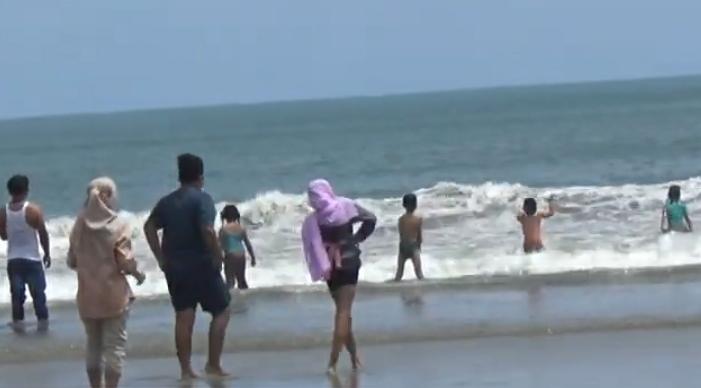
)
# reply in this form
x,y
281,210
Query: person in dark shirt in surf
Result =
x,y
191,259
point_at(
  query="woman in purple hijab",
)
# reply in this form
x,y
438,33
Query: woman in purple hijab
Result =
x,y
331,248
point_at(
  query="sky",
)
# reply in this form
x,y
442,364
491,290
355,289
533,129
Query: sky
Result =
x,y
67,56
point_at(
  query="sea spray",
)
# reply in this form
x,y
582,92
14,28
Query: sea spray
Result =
x,y
469,230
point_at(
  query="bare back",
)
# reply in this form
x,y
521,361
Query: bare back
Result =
x,y
233,228
410,228
531,227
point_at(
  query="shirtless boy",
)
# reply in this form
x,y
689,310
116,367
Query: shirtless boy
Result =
x,y
531,221
410,238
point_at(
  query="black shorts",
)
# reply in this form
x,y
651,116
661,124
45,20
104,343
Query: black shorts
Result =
x,y
343,277
197,285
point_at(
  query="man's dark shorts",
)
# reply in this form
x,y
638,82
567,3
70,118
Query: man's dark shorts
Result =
x,y
199,284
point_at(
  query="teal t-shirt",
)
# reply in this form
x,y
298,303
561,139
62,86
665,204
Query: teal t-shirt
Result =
x,y
181,215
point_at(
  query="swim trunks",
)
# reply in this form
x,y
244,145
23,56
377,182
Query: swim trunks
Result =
x,y
407,249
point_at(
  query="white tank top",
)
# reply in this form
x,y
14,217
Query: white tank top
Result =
x,y
22,241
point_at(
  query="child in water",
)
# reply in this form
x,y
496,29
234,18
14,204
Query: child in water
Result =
x,y
531,221
410,238
233,237
674,213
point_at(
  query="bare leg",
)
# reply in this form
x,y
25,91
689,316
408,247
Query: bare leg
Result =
x,y
400,268
217,333
95,377
184,322
417,265
352,347
112,378
343,298
230,271
240,271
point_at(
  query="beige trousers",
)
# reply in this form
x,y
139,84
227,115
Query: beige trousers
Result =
x,y
106,342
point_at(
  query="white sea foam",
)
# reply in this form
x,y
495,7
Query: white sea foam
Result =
x,y
469,230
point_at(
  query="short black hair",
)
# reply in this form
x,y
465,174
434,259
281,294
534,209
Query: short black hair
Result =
x,y
18,185
230,213
530,206
675,193
410,202
190,168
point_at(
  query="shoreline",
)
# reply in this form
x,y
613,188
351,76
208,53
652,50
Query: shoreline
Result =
x,y
686,273
403,314
644,359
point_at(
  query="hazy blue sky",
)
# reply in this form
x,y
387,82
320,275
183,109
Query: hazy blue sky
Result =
x,y
63,56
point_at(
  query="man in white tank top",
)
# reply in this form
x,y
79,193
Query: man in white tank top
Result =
x,y
22,226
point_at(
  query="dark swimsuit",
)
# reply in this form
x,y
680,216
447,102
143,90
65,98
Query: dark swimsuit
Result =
x,y
348,243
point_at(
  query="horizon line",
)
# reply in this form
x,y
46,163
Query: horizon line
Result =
x,y
342,97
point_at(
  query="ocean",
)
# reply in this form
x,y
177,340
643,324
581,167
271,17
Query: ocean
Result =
x,y
607,151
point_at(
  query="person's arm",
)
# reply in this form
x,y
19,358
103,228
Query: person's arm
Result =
x,y
663,221
207,214
71,258
126,262
688,220
550,212
221,236
249,247
3,225
420,233
35,219
368,222
151,228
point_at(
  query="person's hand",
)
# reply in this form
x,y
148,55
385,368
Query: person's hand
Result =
x,y
218,263
253,262
122,240
47,261
140,278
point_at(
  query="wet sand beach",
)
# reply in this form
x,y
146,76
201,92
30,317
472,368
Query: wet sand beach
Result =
x,y
637,358
604,330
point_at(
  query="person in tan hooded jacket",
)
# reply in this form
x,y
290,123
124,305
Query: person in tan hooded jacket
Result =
x,y
100,252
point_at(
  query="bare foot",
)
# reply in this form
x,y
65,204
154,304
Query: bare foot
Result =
x,y
333,378
216,371
331,371
188,374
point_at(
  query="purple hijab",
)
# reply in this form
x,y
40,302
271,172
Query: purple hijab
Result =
x,y
329,210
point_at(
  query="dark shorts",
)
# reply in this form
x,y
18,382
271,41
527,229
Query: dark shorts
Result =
x,y
197,285
533,248
407,249
343,277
